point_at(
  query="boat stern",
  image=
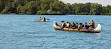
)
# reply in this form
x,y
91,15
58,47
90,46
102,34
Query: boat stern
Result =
x,y
98,28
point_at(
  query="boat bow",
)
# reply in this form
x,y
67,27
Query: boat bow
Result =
x,y
54,24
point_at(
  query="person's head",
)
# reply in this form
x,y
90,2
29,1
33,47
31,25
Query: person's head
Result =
x,y
67,22
80,23
40,17
72,22
62,21
85,23
76,23
92,20
89,23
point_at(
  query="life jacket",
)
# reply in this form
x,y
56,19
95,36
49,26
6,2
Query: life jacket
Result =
x,y
76,25
93,25
64,25
68,24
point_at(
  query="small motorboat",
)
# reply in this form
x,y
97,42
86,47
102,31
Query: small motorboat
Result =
x,y
94,30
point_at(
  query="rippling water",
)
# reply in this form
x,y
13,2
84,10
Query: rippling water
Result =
x,y
24,32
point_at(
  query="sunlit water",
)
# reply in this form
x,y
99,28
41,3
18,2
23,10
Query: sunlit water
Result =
x,y
24,32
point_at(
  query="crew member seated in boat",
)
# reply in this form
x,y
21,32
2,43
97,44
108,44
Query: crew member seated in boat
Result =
x,y
76,25
40,18
63,24
68,25
92,24
44,18
73,25
80,26
85,26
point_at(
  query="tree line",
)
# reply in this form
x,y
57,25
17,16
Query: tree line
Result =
x,y
52,7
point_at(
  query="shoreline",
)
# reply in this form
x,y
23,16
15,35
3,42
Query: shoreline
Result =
x,y
44,14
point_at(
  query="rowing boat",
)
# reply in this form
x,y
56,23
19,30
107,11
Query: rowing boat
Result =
x,y
94,30
41,20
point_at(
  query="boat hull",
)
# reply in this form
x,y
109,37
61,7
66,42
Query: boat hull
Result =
x,y
76,30
42,20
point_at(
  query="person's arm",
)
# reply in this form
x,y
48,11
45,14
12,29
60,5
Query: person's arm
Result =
x,y
62,25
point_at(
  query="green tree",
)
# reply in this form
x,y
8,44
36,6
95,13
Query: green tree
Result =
x,y
6,10
68,8
58,6
110,11
96,9
53,6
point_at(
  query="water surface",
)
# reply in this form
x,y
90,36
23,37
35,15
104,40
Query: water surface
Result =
x,y
24,32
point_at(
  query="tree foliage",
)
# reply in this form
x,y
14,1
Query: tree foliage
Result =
x,y
40,7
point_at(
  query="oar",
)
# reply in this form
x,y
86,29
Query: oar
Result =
x,y
37,19
48,19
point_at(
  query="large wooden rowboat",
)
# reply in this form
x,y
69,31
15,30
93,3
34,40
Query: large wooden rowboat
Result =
x,y
95,30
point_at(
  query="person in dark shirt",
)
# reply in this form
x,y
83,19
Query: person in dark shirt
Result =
x,y
44,18
86,26
73,25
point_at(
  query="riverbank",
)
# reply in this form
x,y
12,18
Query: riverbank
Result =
x,y
48,14
52,7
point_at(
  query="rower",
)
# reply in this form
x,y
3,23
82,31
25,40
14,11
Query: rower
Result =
x,y
40,18
44,18
68,25
73,25
86,25
76,25
63,24
93,24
